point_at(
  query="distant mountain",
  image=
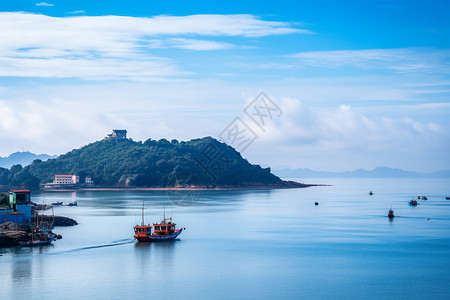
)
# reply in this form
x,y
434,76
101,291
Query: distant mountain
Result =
x,y
22,158
379,172
203,163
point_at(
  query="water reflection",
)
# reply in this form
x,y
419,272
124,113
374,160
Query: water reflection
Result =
x,y
21,270
155,256
133,199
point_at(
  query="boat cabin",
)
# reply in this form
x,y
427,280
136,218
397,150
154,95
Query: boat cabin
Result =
x,y
166,227
142,231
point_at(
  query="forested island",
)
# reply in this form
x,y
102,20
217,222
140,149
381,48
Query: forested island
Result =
x,y
198,163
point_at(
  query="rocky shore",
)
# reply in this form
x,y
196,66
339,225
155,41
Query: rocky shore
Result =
x,y
12,234
59,221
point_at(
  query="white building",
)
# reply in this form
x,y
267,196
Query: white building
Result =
x,y
66,179
88,181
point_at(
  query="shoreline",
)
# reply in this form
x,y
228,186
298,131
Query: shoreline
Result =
x,y
121,189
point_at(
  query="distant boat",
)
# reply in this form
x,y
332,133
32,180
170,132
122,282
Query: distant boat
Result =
x,y
316,203
74,203
424,198
158,232
447,198
391,213
57,203
371,193
413,202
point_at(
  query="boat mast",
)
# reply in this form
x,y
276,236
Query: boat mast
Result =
x,y
142,224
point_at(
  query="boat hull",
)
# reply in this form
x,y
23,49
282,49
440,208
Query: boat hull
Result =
x,y
32,244
151,238
50,239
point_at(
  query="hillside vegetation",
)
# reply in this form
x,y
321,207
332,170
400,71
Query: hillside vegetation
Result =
x,y
202,162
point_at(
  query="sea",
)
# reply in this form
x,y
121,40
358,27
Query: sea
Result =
x,y
252,244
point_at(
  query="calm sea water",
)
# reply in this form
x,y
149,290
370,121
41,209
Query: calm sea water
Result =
x,y
245,244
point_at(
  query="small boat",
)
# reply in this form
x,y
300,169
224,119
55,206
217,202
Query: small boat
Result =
x,y
418,197
413,202
447,198
57,203
42,234
158,232
391,213
40,238
316,203
424,198
74,203
371,193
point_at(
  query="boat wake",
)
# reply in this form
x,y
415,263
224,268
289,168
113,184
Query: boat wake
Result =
x,y
75,250
112,244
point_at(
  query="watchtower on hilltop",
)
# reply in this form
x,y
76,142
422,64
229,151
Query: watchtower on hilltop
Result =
x,y
117,134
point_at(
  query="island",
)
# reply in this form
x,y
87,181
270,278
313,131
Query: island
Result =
x,y
113,163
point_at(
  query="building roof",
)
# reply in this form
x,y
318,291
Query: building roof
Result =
x,y
20,191
64,176
119,130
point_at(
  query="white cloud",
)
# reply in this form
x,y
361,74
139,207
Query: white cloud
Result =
x,y
200,45
341,138
44,4
97,40
402,59
98,69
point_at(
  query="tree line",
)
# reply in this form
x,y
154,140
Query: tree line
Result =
x,y
200,162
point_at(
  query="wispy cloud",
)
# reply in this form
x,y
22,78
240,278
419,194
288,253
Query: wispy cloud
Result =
x,y
94,69
82,45
402,59
200,45
44,4
77,12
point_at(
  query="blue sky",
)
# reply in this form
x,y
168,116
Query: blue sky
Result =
x,y
360,83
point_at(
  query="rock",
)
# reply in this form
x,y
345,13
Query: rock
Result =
x,y
10,226
13,238
17,235
59,220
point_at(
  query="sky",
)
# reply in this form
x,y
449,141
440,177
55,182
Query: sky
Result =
x,y
351,84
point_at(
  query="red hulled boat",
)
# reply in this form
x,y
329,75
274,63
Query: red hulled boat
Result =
x,y
391,213
158,232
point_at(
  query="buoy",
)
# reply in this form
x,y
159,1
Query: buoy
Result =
x,y
428,219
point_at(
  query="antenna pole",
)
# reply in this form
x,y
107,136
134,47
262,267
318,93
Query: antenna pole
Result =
x,y
142,213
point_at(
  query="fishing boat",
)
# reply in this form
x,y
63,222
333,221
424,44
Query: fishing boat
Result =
x,y
413,202
163,231
42,234
39,238
57,203
371,193
74,203
424,198
391,213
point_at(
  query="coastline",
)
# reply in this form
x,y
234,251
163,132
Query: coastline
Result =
x,y
285,185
